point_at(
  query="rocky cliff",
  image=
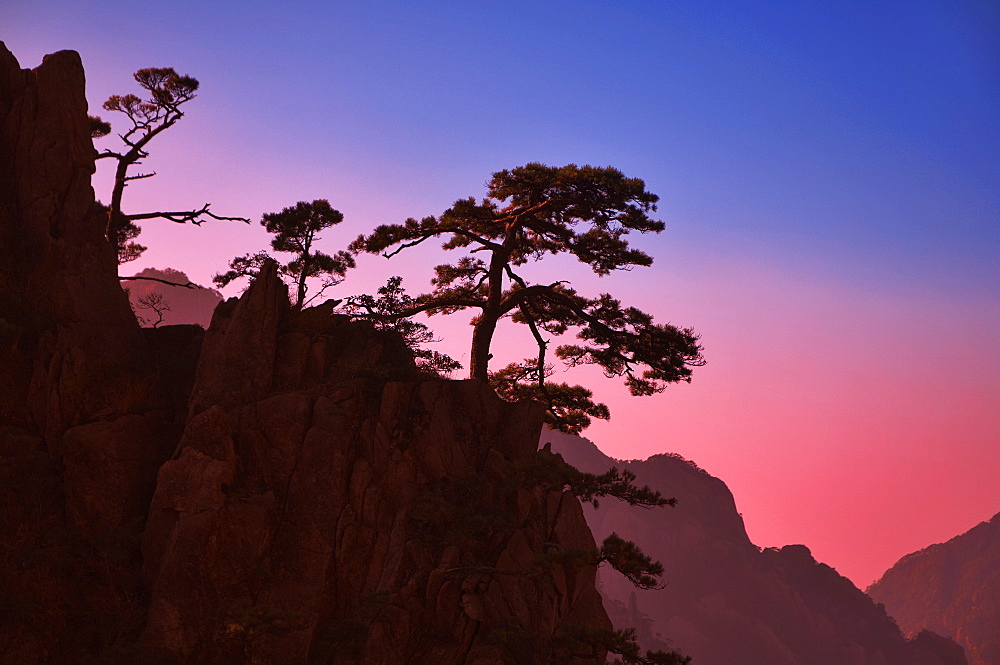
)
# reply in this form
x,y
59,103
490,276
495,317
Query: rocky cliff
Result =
x,y
727,601
951,588
284,487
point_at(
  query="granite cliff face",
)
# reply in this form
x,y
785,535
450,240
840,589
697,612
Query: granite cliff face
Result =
x,y
951,588
727,601
66,334
284,487
342,511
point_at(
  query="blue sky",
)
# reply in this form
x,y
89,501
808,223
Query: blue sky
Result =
x,y
855,134
829,174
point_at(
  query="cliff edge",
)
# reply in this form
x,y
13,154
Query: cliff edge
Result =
x,y
284,487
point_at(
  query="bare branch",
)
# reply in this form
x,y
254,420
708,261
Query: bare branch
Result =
x,y
183,216
188,285
417,309
140,176
404,245
438,230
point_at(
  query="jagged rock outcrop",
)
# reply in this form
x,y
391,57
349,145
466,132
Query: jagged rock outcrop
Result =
x,y
340,483
726,601
951,588
284,487
84,421
67,334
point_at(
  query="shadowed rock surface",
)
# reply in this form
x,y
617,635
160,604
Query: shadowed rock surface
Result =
x,y
951,588
66,329
365,512
281,488
726,601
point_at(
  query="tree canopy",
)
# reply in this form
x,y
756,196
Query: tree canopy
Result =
x,y
530,212
161,109
295,230
379,310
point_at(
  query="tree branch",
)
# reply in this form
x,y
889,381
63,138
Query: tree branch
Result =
x,y
515,298
140,176
417,309
188,285
404,245
183,216
529,319
469,234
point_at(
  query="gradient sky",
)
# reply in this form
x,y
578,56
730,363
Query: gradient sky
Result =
x,y
829,174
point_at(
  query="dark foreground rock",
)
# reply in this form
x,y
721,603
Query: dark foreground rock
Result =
x,y
284,487
342,512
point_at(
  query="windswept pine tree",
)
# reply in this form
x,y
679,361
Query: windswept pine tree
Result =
x,y
296,230
167,91
528,213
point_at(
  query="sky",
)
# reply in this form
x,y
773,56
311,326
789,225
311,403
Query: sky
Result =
x,y
829,176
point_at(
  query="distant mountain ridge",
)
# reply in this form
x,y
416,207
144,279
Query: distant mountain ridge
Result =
x,y
179,304
952,588
728,601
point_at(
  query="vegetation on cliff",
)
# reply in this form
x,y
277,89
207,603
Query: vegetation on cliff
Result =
x,y
295,230
529,212
239,495
167,91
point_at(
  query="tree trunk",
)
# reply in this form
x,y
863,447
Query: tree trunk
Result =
x,y
300,294
115,221
482,336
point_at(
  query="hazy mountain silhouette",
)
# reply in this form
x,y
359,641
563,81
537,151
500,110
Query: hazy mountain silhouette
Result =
x,y
726,600
186,305
952,588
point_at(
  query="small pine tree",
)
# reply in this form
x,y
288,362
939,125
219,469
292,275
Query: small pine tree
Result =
x,y
391,299
295,230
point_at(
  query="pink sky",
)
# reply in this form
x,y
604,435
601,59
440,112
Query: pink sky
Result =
x,y
863,427
861,423
829,179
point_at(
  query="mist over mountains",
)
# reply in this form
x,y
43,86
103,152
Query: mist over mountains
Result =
x,y
726,600
952,588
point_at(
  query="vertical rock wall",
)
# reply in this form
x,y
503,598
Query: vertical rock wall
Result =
x,y
86,418
68,339
325,505
316,499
